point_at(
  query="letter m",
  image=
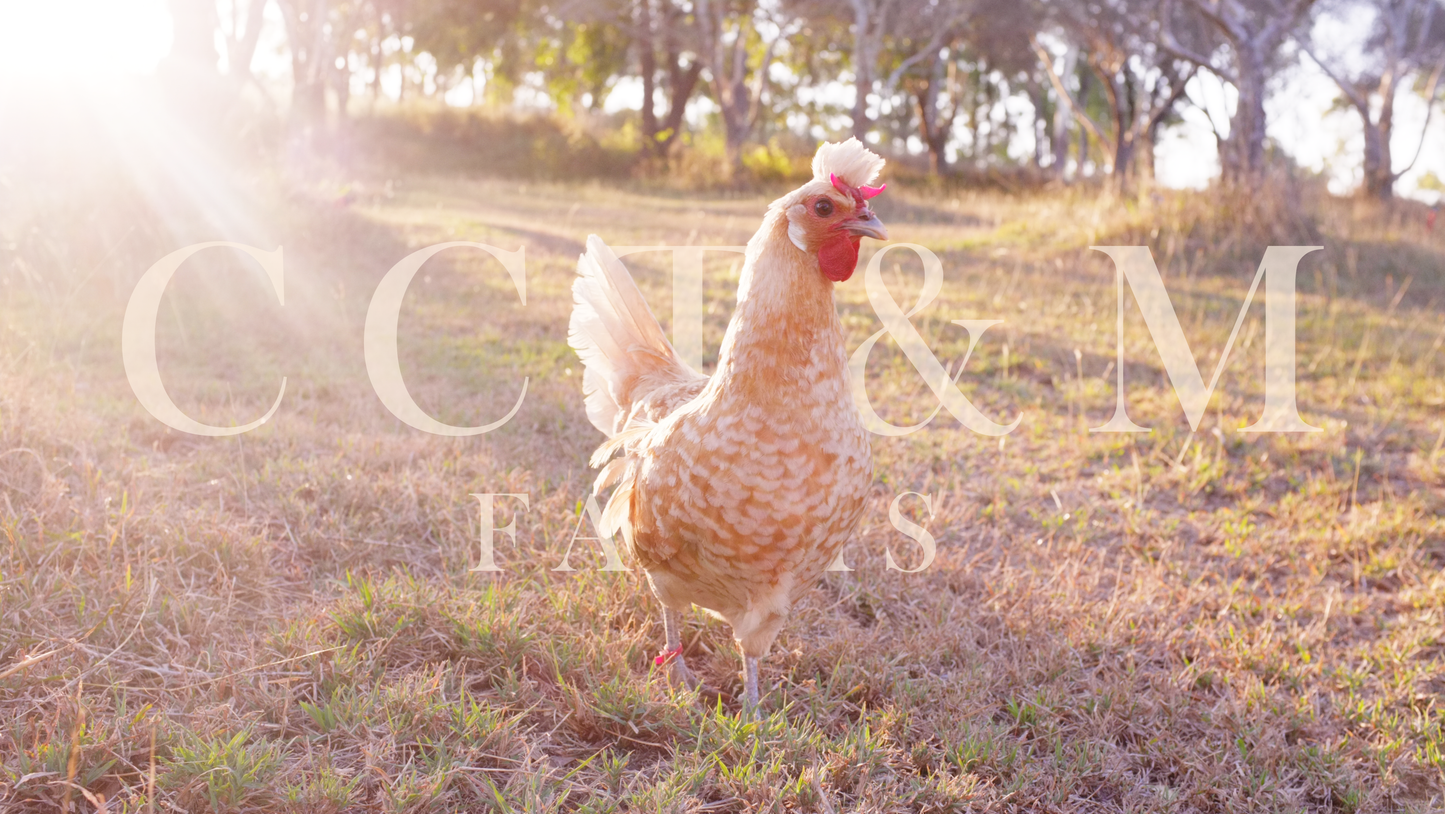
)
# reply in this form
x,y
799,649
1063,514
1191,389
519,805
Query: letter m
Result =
x,y
1135,265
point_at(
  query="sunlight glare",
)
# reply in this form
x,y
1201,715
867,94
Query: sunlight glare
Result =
x,y
81,38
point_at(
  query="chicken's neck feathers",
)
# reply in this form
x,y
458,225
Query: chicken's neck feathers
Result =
x,y
786,325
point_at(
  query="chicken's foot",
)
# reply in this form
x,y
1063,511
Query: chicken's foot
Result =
x,y
672,655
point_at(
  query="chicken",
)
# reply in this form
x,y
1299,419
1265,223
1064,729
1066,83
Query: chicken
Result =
x,y
734,493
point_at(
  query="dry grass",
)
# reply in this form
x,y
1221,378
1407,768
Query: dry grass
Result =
x,y
285,621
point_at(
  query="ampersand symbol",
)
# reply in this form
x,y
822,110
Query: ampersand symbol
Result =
x,y
896,324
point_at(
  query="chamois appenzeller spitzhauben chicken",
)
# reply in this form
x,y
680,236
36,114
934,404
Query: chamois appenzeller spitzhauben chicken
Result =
x,y
735,492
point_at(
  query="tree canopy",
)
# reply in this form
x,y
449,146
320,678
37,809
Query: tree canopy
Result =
x,y
1057,88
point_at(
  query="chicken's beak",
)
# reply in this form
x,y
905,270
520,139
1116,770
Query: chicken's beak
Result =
x,y
867,225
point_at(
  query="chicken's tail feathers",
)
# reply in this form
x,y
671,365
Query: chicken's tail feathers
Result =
x,y
620,472
636,428
618,339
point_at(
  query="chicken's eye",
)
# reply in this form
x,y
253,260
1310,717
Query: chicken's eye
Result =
x,y
823,208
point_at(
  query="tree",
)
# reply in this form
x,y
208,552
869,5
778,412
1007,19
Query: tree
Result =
x,y
580,59
241,38
457,33
664,36
189,69
1063,115
1407,39
1141,83
307,29
902,32
1254,32
937,92
193,43
662,28
737,57
937,48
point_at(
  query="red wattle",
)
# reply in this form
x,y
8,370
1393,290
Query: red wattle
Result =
x,y
839,256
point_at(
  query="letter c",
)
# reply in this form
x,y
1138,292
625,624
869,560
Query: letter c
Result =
x,y
138,339
383,363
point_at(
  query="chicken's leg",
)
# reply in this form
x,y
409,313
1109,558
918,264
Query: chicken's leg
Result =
x,y
750,684
672,656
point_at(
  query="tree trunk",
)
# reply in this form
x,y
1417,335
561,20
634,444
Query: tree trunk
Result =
x,y
1059,141
681,83
1122,174
189,73
376,66
1144,169
1379,163
241,50
1123,107
1246,129
738,99
647,65
1254,31
1083,133
308,103
341,86
1063,117
736,130
1038,98
1378,181
934,127
862,69
659,135
305,35
710,24
861,123
193,43
1121,113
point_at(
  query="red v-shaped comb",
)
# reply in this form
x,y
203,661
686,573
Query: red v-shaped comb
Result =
x,y
860,193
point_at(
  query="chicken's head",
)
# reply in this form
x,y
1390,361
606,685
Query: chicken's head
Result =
x,y
829,215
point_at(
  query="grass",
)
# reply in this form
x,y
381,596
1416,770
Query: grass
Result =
x,y
286,620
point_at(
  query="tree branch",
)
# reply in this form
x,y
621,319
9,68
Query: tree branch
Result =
x,y
241,49
1430,88
935,44
1047,59
1348,88
1273,31
1215,14
1176,91
1428,22
1172,45
755,105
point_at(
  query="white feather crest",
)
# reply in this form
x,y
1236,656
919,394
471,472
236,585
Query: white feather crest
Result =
x,y
853,163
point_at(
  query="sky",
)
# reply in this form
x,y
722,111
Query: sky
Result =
x,y
129,38
115,37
